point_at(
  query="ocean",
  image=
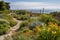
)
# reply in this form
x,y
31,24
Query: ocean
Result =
x,y
45,10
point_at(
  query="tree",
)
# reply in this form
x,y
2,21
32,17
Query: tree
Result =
x,y
4,5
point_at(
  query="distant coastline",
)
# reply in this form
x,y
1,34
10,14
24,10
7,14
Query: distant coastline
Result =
x,y
45,11
38,10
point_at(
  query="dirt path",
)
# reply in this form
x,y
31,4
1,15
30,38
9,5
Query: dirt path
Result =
x,y
11,30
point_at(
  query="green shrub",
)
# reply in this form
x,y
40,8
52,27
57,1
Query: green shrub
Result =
x,y
4,26
50,32
10,19
47,18
21,36
21,12
23,24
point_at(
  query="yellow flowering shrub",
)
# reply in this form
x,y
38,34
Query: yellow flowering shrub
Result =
x,y
49,32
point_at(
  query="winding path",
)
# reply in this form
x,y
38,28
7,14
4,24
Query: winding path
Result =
x,y
11,30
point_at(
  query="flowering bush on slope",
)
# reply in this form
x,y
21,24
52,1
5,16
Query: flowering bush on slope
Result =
x,y
50,32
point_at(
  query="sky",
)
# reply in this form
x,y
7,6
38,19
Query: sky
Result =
x,y
34,4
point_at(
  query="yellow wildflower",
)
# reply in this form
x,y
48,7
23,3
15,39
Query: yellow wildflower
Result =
x,y
49,29
53,32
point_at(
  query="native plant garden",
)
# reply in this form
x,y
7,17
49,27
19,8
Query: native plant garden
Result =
x,y
38,27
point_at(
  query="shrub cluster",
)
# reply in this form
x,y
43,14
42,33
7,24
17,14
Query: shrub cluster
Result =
x,y
4,26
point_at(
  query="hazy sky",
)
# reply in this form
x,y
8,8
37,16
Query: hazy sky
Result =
x,y
34,4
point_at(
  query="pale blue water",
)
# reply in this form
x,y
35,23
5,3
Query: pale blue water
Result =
x,y
45,11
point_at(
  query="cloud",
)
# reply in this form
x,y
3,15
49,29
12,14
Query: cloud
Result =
x,y
33,5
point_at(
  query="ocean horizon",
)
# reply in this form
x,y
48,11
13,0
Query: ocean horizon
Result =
x,y
45,10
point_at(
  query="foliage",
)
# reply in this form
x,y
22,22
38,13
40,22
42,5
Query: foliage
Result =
x,y
9,19
4,26
4,6
23,24
43,32
52,32
21,12
21,15
32,19
47,18
22,37
56,15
